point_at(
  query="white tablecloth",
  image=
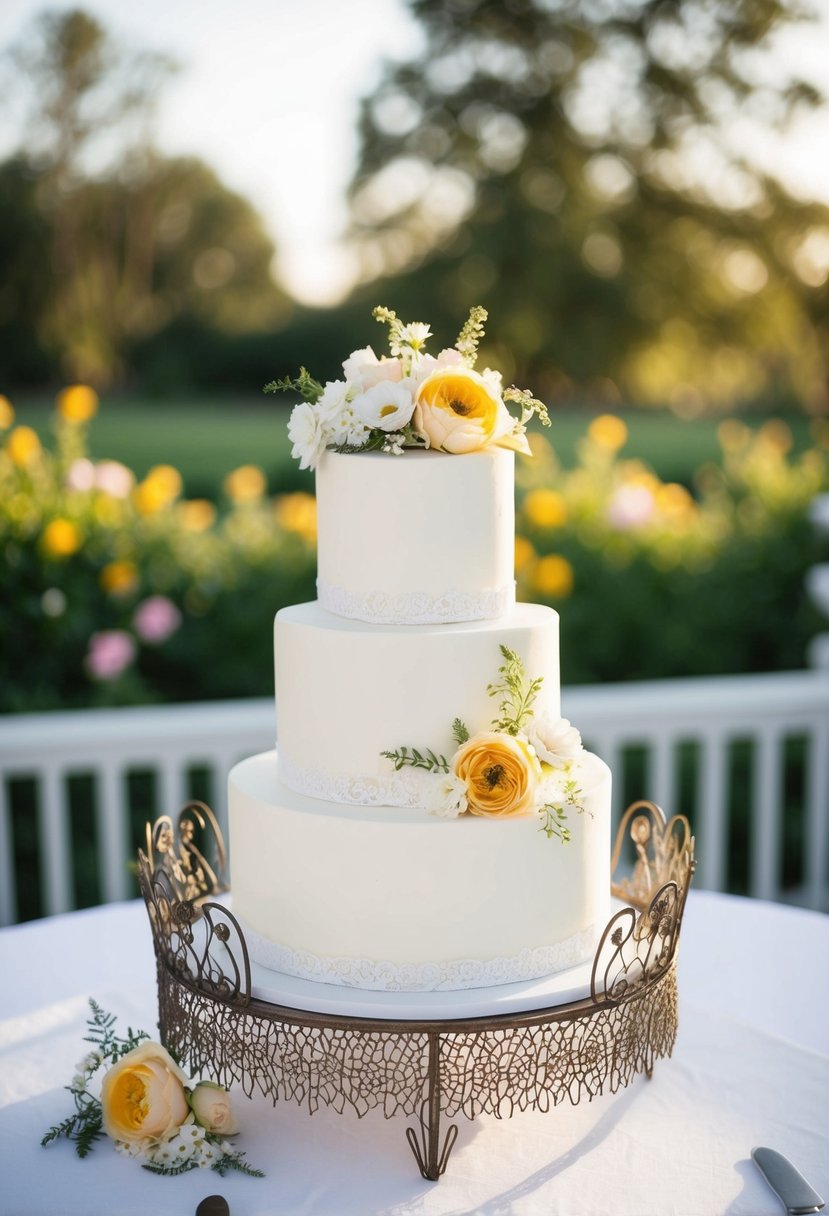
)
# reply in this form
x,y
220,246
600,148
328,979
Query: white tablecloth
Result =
x,y
751,1066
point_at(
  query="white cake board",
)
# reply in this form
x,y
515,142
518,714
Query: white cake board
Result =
x,y
561,988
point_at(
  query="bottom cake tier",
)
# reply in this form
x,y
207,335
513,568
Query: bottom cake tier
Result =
x,y
395,899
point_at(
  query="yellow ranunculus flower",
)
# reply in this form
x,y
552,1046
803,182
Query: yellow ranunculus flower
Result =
x,y
245,483
119,578
77,403
61,538
501,773
545,508
554,576
197,514
608,431
142,1096
23,445
6,413
458,412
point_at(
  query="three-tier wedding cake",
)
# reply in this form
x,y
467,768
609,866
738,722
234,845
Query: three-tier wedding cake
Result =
x,y
429,821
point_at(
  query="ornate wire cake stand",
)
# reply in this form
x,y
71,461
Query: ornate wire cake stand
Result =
x,y
426,1070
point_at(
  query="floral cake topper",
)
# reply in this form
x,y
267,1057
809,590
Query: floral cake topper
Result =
x,y
522,766
409,399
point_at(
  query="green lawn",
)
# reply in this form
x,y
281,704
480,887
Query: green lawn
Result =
x,y
206,438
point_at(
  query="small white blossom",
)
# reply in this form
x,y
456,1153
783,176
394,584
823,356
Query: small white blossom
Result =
x,y
307,434
448,796
555,741
415,334
333,401
387,405
78,1084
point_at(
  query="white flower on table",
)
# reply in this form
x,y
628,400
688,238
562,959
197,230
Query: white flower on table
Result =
x,y
556,742
388,405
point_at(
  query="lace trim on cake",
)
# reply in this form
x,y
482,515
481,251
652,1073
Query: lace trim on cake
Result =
x,y
416,607
408,788
422,977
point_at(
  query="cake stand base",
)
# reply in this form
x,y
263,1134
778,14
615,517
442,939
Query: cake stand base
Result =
x,y
430,1071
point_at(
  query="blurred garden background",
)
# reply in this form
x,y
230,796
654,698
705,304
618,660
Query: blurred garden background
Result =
x,y
638,192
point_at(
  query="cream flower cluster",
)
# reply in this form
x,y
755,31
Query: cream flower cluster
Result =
x,y
523,766
407,399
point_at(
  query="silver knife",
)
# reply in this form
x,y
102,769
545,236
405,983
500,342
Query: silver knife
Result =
x,y
787,1183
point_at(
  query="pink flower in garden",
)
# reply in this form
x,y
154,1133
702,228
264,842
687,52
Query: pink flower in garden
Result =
x,y
81,475
114,478
110,652
156,619
630,507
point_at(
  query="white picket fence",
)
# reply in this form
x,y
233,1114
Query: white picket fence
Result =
x,y
660,717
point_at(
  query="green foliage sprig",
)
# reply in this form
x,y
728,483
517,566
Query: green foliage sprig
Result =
x,y
471,335
86,1125
415,759
308,388
517,693
388,316
553,815
460,732
530,406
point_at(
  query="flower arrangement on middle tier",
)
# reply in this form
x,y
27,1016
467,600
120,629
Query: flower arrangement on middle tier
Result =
x,y
410,399
523,765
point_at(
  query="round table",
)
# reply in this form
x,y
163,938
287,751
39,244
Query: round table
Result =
x,y
750,1066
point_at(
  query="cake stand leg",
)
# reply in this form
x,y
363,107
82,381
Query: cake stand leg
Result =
x,y
431,1156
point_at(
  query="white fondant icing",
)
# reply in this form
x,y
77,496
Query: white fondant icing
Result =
x,y
346,691
416,607
397,887
420,524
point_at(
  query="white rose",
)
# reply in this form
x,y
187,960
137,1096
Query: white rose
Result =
x,y
555,741
332,402
357,361
210,1103
387,405
307,435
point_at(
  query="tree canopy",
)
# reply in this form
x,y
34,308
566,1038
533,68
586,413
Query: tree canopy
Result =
x,y
579,166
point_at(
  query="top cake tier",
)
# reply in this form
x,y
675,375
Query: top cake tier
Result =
x,y
419,538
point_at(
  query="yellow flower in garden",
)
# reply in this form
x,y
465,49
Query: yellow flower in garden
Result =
x,y
77,403
545,508
501,774
554,576
777,434
733,435
608,431
298,513
245,483
524,552
674,499
6,413
197,514
119,578
23,445
158,489
61,538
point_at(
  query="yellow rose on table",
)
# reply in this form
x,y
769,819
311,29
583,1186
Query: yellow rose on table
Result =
x,y
501,773
142,1096
458,411
210,1103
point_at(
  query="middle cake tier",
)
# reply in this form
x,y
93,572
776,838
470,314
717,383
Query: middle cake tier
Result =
x,y
347,691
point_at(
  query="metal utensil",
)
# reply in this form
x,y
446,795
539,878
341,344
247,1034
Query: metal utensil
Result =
x,y
213,1205
787,1183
